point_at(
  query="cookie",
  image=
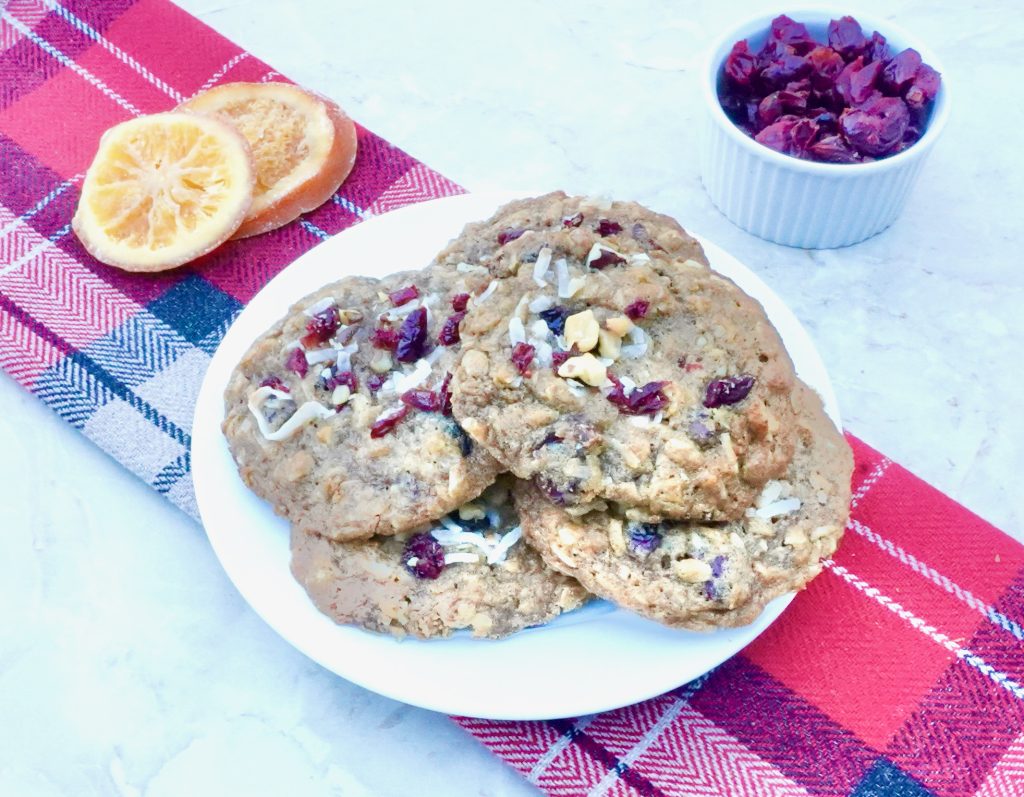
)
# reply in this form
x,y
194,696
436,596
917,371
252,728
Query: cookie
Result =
x,y
706,576
661,386
470,571
569,226
339,415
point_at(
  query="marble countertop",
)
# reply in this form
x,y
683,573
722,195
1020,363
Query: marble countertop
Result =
x,y
129,665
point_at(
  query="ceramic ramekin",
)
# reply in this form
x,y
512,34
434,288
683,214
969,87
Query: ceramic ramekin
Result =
x,y
804,203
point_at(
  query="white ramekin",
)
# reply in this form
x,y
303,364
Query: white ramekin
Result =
x,y
804,203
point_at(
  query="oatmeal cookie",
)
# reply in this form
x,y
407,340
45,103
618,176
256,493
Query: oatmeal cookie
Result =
x,y
471,571
340,414
606,377
705,576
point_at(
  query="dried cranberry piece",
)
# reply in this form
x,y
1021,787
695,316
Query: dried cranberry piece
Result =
x,y
412,337
740,64
846,37
786,134
555,317
460,302
606,258
876,127
608,227
833,149
643,539
924,88
556,493
637,309
347,378
449,334
382,426
422,399
717,566
878,50
276,383
321,327
701,429
899,73
729,390
779,102
522,356
792,34
445,394
646,400
572,221
297,362
784,69
509,234
385,338
825,66
639,232
559,357
404,295
375,382
856,83
423,556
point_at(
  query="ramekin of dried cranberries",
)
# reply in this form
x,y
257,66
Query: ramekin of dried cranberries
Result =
x,y
818,125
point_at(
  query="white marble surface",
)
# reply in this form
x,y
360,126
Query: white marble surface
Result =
x,y
128,665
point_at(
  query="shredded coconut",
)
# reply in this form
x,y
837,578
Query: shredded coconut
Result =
x,y
541,303
516,331
319,307
491,288
540,268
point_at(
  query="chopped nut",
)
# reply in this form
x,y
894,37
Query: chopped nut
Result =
x,y
381,363
608,344
482,624
795,535
587,368
568,535
682,452
822,531
615,536
619,325
297,466
692,570
582,330
350,315
471,511
341,394
325,434
693,263
475,362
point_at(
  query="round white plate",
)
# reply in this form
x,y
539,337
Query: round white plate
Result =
x,y
596,658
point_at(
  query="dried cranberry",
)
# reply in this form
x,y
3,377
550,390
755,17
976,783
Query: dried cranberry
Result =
x,y
729,390
701,430
321,327
382,426
876,127
878,50
637,309
445,394
778,102
423,556
825,66
412,337
522,356
856,83
846,37
449,334
783,69
555,317
346,378
572,221
834,149
923,90
606,258
385,338
404,295
376,382
791,34
275,383
643,539
459,302
646,400
422,399
779,135
717,566
297,362
608,227
899,73
740,64
509,234
559,357
553,491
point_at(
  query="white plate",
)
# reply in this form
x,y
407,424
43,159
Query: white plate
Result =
x,y
596,658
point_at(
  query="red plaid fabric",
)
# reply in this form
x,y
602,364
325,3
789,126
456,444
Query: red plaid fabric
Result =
x,y
900,671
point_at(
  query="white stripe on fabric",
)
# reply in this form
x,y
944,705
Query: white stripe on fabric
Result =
x,y
962,653
557,747
871,480
231,64
933,575
79,70
112,48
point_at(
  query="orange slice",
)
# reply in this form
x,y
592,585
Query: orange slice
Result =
x,y
163,190
303,146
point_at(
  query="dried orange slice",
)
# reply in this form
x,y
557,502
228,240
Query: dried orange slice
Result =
x,y
303,146
163,190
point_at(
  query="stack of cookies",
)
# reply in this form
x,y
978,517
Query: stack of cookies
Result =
x,y
567,402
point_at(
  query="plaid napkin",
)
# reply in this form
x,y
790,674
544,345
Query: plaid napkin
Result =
x,y
898,672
